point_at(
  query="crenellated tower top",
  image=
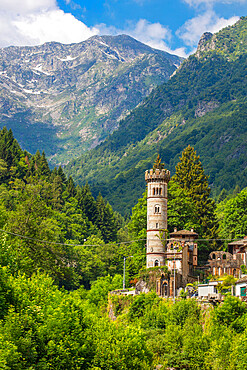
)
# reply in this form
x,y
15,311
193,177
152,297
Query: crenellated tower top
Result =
x,y
157,175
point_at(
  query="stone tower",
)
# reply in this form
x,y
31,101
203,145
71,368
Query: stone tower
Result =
x,y
157,180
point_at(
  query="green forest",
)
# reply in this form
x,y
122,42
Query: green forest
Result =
x,y
202,105
62,252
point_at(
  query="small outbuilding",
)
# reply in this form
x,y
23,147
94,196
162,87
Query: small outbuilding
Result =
x,y
241,287
207,290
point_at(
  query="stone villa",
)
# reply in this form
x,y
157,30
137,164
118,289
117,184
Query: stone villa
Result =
x,y
179,252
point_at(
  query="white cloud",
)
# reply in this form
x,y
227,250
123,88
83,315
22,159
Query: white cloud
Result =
x,y
34,22
54,25
25,6
153,34
192,30
196,3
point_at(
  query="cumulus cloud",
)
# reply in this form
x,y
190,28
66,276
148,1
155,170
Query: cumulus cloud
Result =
x,y
54,25
26,6
34,22
153,34
192,30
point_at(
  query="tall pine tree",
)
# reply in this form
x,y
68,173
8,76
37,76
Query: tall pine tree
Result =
x,y
105,220
87,203
191,177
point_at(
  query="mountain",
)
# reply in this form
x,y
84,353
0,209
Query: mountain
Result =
x,y
66,99
203,104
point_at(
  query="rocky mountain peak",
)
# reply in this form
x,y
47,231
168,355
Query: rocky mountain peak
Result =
x,y
76,93
203,43
204,38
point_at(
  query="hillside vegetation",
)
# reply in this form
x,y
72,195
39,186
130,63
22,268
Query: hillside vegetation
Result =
x,y
203,105
61,253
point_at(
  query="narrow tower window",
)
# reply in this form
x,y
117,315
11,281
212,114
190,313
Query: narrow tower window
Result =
x,y
157,225
156,263
157,209
160,191
153,191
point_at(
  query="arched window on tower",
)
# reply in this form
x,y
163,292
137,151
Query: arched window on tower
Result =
x,y
156,263
157,209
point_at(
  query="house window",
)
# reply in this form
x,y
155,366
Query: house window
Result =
x,y
224,257
213,256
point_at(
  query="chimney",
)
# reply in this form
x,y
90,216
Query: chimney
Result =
x,y
175,229
192,230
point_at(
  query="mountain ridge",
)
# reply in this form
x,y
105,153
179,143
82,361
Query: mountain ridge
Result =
x,y
76,94
203,104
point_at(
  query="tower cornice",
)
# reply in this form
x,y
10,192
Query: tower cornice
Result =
x,y
157,175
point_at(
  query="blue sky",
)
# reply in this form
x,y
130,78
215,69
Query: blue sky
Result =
x,y
171,25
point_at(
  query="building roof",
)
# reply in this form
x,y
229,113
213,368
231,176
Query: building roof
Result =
x,y
242,280
241,242
184,232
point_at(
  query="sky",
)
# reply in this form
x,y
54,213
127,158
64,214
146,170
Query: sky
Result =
x,y
174,26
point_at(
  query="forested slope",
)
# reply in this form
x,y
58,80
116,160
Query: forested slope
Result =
x,y
61,253
51,225
203,104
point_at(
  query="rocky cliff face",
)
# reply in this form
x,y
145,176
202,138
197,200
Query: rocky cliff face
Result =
x,y
68,98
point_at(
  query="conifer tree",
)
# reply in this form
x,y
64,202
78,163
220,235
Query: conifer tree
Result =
x,y
158,164
222,196
62,175
191,177
10,153
71,187
105,220
87,203
44,169
57,191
